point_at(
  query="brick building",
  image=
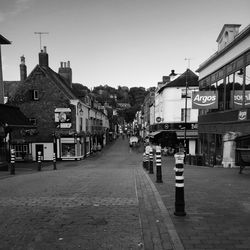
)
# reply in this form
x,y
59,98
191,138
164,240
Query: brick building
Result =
x,y
68,125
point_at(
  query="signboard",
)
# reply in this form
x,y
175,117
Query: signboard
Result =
x,y
237,98
158,119
205,100
63,117
242,115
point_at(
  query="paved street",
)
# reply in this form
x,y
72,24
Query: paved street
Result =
x,y
109,201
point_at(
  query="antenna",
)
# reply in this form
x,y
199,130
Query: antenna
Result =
x,y
40,36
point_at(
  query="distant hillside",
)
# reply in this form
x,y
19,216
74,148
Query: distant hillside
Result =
x,y
126,100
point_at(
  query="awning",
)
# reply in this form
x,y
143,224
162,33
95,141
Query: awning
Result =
x,y
153,134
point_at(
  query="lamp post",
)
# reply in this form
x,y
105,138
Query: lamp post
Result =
x,y
185,117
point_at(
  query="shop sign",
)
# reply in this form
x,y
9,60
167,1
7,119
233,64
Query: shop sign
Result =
x,y
63,117
205,100
158,119
237,98
242,115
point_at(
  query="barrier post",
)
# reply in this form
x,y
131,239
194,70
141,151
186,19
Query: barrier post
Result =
x,y
12,161
151,161
179,184
147,160
39,161
158,164
144,160
54,161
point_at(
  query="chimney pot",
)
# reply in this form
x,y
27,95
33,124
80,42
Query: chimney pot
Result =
x,y
61,64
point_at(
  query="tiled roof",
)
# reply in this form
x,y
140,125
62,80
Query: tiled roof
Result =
x,y
12,117
188,77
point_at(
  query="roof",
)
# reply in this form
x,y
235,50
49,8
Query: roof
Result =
x,y
59,81
12,117
188,77
227,26
3,40
244,33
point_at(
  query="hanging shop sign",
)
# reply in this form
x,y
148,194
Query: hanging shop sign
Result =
x,y
158,119
242,115
205,100
63,117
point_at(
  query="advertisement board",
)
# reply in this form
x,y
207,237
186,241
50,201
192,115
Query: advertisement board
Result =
x,y
237,98
205,100
63,117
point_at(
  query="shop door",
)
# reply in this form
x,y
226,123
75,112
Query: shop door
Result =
x,y
39,147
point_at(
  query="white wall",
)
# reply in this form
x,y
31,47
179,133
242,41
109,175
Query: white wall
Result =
x,y
173,103
226,58
47,149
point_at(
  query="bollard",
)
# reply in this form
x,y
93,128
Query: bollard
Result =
x,y
39,161
54,160
158,164
151,161
12,161
179,184
147,161
144,160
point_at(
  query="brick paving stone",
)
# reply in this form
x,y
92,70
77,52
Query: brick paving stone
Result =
x,y
217,206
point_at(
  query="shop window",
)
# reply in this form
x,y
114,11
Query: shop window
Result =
x,y
220,88
238,89
247,87
229,91
68,149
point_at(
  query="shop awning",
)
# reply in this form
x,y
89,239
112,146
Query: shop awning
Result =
x,y
153,134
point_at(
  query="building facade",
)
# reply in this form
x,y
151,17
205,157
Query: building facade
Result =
x,y
227,72
68,126
173,110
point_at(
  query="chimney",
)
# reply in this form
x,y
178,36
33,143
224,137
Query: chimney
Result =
x,y
23,69
66,72
166,79
172,75
44,57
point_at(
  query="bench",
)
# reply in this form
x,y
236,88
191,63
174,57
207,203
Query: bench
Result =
x,y
243,158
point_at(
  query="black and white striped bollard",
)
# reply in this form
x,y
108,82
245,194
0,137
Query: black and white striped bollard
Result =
x,y
147,161
39,161
179,184
54,160
151,161
12,161
158,164
144,160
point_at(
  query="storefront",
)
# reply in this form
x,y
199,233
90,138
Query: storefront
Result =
x,y
226,73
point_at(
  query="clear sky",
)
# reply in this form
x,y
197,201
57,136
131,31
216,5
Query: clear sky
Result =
x,y
116,42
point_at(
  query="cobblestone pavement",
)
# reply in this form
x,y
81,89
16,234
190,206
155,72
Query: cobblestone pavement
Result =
x,y
217,203
90,204
109,201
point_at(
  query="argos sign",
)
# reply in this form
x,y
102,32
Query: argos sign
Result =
x,y
205,100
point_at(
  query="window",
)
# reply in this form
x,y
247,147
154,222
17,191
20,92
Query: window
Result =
x,y
34,95
229,91
247,87
183,93
220,88
183,115
33,121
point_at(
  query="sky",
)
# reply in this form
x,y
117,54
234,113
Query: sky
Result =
x,y
129,43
